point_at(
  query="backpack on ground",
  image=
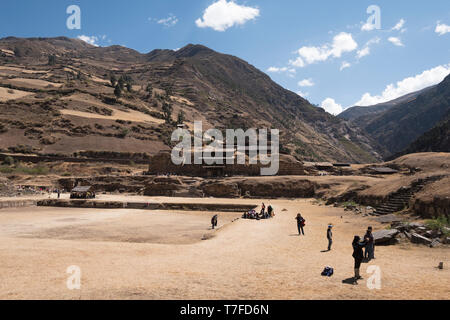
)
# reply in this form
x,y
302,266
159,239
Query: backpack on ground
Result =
x,y
327,272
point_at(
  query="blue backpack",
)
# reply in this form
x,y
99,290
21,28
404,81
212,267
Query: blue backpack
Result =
x,y
328,272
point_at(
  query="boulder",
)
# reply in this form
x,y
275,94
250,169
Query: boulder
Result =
x,y
385,236
417,238
390,218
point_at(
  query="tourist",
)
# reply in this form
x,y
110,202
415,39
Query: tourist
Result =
x,y
59,193
330,236
358,256
263,208
214,221
369,249
300,224
269,211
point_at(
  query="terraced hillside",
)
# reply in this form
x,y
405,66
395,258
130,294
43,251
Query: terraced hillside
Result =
x,y
60,96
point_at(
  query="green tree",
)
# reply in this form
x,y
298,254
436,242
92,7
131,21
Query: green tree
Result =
x,y
129,87
121,83
180,119
167,111
118,91
113,80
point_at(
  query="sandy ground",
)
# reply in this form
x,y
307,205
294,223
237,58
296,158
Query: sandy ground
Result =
x,y
134,254
9,94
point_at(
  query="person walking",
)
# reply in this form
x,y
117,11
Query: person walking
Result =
x,y
300,224
358,256
369,249
330,236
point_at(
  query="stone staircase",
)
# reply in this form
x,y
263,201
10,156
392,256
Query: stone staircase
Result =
x,y
401,199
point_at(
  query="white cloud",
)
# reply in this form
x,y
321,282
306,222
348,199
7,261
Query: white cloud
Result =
x,y
363,52
367,27
366,50
299,63
224,14
306,83
302,94
399,25
396,41
89,39
344,65
331,106
411,84
442,28
169,21
343,42
289,71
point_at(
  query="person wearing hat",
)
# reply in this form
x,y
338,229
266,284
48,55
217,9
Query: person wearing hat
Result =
x,y
330,236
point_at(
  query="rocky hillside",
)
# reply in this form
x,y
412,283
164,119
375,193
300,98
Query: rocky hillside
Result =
x,y
434,140
57,97
362,115
399,123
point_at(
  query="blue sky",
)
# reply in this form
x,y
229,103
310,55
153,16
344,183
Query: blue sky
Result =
x,y
319,49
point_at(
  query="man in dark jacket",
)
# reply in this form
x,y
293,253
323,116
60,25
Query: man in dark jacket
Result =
x,y
358,255
214,221
300,224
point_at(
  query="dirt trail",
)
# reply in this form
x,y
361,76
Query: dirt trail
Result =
x,y
245,260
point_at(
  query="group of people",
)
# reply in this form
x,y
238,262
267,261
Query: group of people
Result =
x,y
358,255
362,250
263,214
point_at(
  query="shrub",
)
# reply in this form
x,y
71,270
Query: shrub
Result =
x,y
439,223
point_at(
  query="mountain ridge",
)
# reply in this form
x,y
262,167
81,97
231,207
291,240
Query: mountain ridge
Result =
x,y
222,90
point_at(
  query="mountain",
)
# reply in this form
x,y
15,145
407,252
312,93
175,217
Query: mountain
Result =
x,y
398,123
435,140
56,98
362,115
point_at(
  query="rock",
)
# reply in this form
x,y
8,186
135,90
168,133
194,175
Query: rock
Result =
x,y
417,238
415,225
447,240
400,226
407,234
385,236
435,243
390,218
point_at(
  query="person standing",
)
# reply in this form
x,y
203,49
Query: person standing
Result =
x,y
300,224
269,211
358,256
330,236
214,221
369,249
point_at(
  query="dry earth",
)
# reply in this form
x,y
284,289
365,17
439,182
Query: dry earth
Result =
x,y
133,254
